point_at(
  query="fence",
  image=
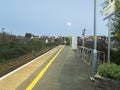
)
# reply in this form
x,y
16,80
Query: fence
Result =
x,y
86,54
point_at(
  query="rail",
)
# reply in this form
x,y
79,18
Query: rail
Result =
x,y
86,54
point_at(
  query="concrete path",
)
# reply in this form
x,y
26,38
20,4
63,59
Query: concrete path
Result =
x,y
68,72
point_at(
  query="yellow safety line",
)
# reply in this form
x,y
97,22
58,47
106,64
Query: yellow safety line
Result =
x,y
40,75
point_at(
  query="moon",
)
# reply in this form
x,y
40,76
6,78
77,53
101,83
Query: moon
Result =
x,y
69,24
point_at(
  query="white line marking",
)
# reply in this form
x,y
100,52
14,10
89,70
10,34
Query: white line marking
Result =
x,y
6,75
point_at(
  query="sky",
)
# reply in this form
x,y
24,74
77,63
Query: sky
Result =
x,y
51,17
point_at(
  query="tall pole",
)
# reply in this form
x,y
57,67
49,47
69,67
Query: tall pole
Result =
x,y
70,37
69,25
95,61
83,33
109,36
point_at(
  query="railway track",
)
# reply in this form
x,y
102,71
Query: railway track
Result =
x,y
13,64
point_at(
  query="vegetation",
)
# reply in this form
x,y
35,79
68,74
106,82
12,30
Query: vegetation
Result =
x,y
112,71
12,46
116,21
115,55
68,40
28,35
109,71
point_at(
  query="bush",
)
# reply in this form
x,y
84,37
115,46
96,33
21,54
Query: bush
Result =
x,y
16,46
111,71
115,56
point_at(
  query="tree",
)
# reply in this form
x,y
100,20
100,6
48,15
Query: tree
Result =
x,y
68,40
116,21
28,35
4,38
105,3
115,55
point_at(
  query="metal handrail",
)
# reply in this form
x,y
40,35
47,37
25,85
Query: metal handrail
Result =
x,y
86,54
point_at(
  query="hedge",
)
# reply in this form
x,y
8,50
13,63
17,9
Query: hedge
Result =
x,y
111,71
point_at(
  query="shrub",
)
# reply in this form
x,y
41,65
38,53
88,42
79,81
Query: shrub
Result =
x,y
109,71
115,56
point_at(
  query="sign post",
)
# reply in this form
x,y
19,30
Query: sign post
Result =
x,y
107,13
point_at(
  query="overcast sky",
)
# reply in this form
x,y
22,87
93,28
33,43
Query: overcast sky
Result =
x,y
50,17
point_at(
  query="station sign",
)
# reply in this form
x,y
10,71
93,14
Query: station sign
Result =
x,y
109,10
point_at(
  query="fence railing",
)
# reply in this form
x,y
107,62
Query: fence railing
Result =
x,y
86,54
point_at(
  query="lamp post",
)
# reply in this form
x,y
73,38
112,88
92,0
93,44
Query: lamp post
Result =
x,y
95,60
83,33
108,12
109,38
69,25
109,35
